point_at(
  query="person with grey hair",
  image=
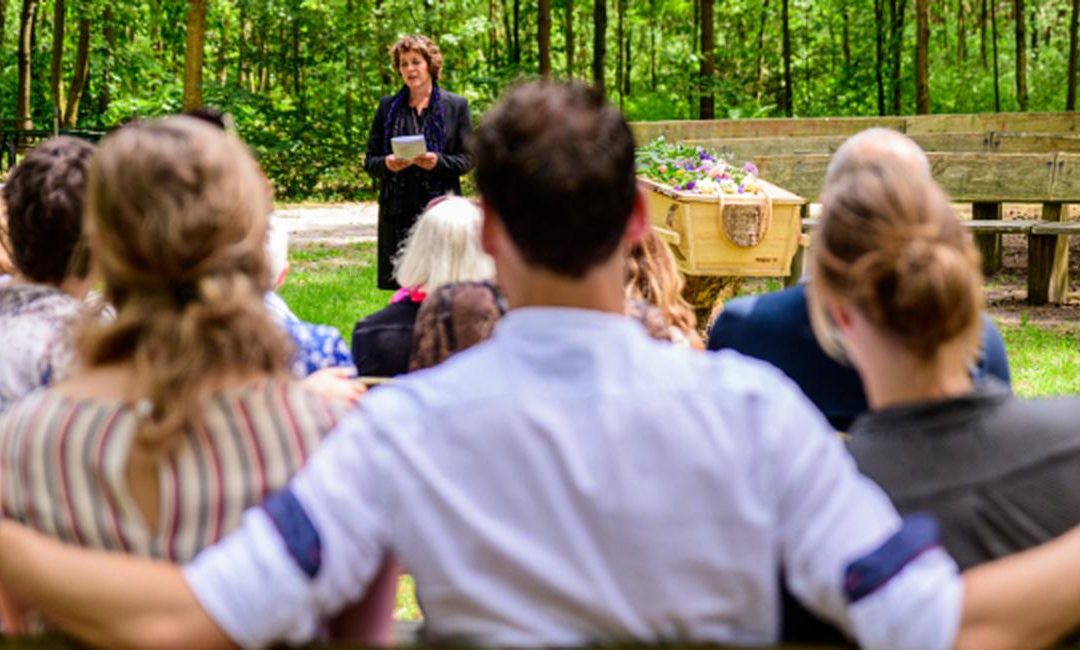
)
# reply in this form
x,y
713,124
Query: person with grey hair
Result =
x,y
443,247
775,327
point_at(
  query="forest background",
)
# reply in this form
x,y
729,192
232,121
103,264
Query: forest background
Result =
x,y
302,77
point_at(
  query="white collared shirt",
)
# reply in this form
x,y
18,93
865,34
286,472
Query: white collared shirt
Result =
x,y
570,481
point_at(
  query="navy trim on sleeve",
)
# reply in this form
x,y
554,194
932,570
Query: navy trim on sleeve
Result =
x,y
296,530
864,576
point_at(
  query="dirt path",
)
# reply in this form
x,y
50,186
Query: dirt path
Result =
x,y
346,223
333,224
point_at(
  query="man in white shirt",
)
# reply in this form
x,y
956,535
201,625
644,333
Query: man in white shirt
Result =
x,y
571,480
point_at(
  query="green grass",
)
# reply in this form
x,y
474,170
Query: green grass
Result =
x,y
1044,361
334,285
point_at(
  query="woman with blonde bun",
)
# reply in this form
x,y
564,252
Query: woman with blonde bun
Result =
x,y
896,289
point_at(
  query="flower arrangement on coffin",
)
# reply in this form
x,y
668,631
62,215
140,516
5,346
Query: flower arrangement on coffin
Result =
x,y
695,170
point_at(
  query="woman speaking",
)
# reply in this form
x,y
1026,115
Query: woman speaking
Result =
x,y
435,163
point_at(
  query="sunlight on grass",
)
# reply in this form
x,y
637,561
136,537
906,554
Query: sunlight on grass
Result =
x,y
1043,361
407,608
334,285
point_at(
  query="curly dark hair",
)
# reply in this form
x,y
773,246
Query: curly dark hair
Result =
x,y
556,162
44,196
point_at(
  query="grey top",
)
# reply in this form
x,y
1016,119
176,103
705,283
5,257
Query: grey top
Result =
x,y
999,473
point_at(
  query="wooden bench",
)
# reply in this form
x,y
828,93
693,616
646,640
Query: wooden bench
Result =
x,y
983,159
1048,257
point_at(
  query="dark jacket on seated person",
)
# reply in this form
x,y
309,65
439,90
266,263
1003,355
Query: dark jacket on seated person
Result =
x,y
775,327
382,342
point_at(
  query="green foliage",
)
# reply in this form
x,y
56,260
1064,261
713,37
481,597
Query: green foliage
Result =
x,y
303,77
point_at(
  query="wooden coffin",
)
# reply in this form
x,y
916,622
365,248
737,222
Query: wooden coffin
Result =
x,y
741,235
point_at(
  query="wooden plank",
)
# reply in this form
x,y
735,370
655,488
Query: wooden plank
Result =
x,y
801,174
741,149
1031,143
749,148
1012,227
966,177
1064,228
1022,122
1066,178
988,243
1048,262
678,130
1048,123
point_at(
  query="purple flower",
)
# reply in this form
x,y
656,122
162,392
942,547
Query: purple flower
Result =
x,y
742,189
691,185
750,168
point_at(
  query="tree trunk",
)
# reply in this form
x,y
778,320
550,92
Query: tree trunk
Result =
x,y
879,53
350,37
27,20
543,36
517,32
599,42
568,30
629,61
193,54
982,35
1021,56
620,52
1070,95
509,32
789,108
961,52
56,79
109,31
652,55
759,55
297,72
897,10
223,53
708,52
922,57
846,44
493,36
994,53
82,70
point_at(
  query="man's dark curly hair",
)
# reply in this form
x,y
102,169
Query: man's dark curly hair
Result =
x,y
44,196
556,162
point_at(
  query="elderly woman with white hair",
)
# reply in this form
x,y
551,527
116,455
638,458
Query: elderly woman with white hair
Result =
x,y
442,247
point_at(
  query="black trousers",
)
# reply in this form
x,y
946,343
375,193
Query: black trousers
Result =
x,y
393,230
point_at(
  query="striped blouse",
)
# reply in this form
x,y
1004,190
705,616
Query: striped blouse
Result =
x,y
63,466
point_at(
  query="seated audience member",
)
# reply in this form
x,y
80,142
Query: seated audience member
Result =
x,y
317,346
897,276
40,302
443,247
570,480
182,411
455,317
776,328
652,277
